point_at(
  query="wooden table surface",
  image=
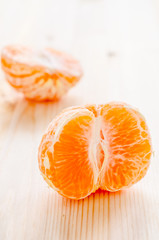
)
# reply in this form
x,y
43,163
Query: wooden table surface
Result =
x,y
117,43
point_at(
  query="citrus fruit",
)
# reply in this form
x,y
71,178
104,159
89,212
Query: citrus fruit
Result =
x,y
87,148
40,74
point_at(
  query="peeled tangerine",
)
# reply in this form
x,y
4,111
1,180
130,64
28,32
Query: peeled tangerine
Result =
x,y
40,75
96,146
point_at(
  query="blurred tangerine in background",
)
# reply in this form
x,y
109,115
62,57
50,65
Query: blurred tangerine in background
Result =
x,y
41,75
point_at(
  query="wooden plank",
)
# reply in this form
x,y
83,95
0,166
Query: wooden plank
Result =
x,y
117,43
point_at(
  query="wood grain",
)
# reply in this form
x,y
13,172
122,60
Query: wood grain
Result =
x,y
117,43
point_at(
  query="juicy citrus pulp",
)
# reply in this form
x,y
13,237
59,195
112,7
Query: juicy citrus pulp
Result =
x,y
86,148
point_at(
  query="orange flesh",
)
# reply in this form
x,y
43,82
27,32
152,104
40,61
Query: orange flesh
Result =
x,y
69,157
129,152
74,160
106,146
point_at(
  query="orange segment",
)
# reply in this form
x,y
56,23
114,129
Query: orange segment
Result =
x,y
70,168
40,75
86,148
128,146
72,159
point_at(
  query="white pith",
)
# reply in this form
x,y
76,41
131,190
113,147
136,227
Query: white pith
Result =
x,y
46,163
104,146
95,141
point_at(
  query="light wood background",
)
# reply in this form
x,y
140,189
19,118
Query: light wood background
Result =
x,y
117,43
